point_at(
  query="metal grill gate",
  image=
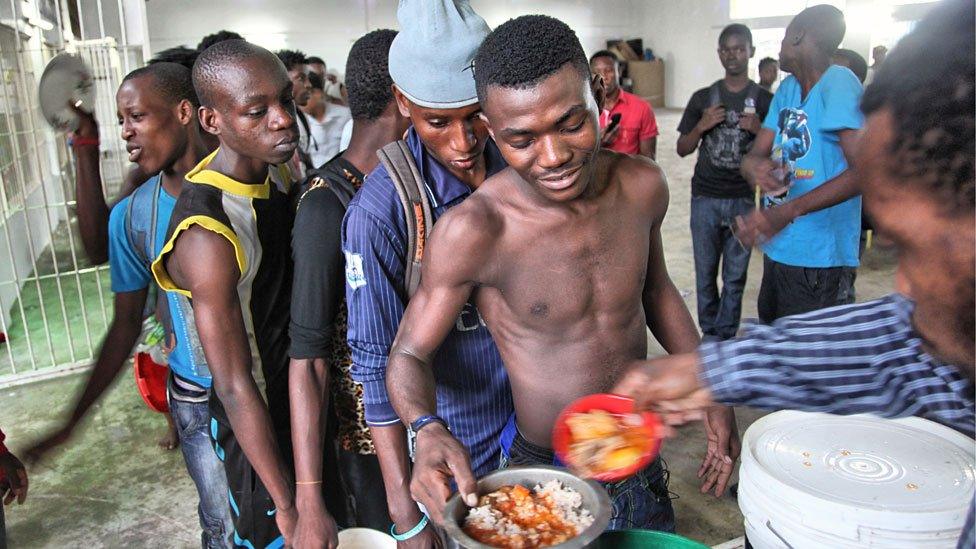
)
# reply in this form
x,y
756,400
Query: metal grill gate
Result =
x,y
54,306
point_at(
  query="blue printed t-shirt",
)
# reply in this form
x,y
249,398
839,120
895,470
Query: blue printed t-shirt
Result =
x,y
473,393
130,274
807,146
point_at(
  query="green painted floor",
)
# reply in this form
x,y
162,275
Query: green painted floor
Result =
x,y
70,304
112,487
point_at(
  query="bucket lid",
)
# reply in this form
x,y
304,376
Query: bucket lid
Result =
x,y
908,465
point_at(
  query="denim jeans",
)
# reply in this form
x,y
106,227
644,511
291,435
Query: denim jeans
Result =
x,y
193,424
641,501
712,220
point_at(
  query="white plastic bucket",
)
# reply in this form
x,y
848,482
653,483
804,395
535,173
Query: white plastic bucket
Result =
x,y
819,480
364,538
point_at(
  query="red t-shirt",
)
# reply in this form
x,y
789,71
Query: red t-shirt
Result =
x,y
637,123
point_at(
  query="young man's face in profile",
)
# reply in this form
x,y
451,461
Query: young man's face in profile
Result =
x,y
456,137
254,112
152,129
301,88
548,132
936,247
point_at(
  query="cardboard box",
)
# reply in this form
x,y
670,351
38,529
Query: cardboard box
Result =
x,y
648,80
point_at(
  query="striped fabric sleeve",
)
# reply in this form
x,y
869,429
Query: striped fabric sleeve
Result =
x,y
852,359
374,264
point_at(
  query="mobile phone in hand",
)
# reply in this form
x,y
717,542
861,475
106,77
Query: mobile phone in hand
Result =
x,y
614,121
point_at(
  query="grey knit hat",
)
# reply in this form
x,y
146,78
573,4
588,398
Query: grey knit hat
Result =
x,y
430,59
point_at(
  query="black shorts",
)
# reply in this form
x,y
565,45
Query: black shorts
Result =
x,y
787,290
251,506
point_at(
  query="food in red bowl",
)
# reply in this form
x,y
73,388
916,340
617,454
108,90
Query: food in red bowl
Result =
x,y
602,437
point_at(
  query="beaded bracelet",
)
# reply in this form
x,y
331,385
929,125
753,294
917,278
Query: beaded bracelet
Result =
x,y
410,533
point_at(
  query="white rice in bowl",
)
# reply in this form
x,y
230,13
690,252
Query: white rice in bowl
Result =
x,y
513,517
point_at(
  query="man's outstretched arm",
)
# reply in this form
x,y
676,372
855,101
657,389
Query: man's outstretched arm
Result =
x,y
204,263
115,351
451,259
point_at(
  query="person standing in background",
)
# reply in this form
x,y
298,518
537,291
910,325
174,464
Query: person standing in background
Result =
x,y
878,55
807,140
334,89
325,122
768,73
636,132
724,119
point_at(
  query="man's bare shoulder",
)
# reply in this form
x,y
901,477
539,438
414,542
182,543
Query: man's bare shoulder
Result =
x,y
470,225
200,253
640,179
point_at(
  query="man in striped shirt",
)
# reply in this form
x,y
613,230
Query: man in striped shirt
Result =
x,y
449,143
911,353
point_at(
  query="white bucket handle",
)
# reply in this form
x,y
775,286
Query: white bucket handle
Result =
x,y
775,533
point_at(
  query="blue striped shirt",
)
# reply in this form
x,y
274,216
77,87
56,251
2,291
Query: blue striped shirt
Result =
x,y
852,359
473,394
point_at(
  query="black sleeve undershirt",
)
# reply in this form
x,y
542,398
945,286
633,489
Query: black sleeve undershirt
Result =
x,y
318,286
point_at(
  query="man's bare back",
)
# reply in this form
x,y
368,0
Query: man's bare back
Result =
x,y
560,285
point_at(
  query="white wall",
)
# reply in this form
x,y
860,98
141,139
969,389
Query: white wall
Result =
x,y
685,34
328,28
682,32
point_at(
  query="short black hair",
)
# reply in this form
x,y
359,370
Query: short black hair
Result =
x,y
523,51
766,61
368,82
928,83
315,81
824,24
172,81
735,29
291,58
180,54
604,53
314,59
219,36
207,69
858,65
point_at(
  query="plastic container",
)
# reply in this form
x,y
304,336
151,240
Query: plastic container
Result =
x,y
645,539
818,480
365,538
151,382
616,405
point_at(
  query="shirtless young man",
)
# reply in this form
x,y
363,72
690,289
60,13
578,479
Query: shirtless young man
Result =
x,y
563,254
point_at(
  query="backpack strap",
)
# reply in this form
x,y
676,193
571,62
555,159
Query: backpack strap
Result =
x,y
714,93
319,182
417,210
141,217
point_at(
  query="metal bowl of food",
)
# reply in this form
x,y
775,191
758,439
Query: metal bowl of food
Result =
x,y
592,505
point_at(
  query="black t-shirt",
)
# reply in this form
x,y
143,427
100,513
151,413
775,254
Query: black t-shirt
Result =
x,y
722,148
318,288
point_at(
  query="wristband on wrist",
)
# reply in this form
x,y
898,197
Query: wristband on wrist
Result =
x,y
84,141
409,533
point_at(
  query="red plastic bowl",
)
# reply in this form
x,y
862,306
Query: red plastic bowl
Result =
x,y
151,382
616,405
